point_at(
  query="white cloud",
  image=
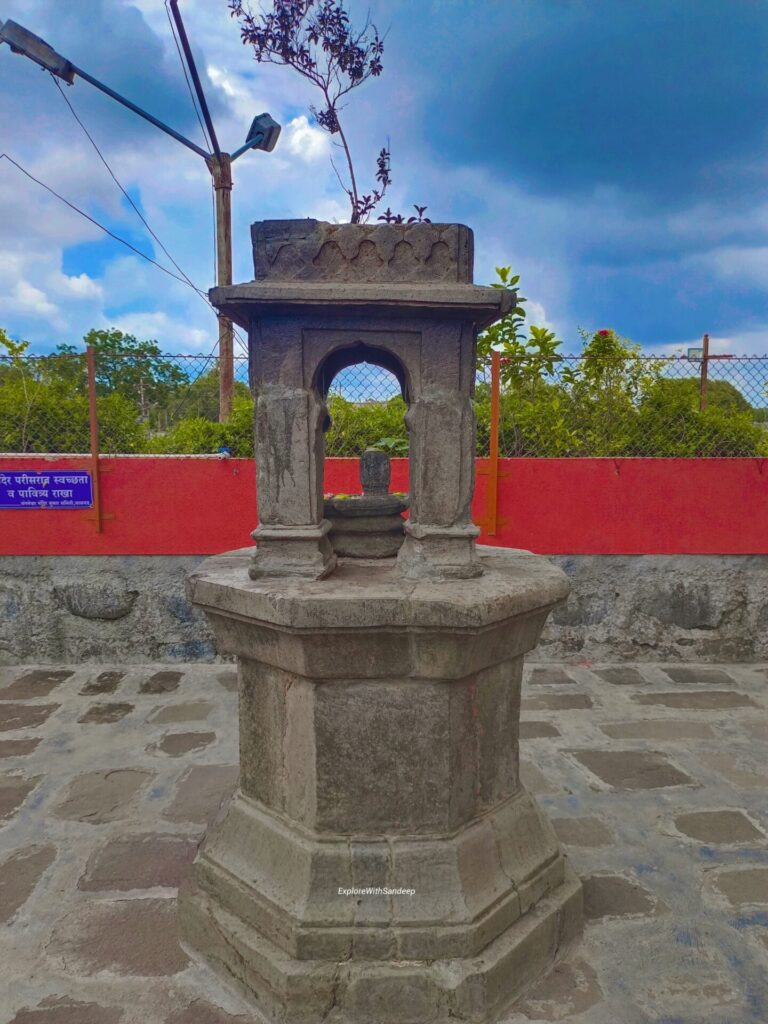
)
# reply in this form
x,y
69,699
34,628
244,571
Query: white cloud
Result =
x,y
172,334
28,299
307,141
748,265
80,286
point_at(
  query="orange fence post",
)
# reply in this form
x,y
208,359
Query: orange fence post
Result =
x,y
490,521
492,493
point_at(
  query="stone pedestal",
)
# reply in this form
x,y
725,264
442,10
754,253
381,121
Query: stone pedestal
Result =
x,y
379,751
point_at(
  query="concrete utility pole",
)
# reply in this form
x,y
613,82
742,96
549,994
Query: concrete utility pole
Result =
x,y
221,171
263,134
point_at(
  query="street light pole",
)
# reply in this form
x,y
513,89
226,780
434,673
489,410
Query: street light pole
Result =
x,y
262,134
221,170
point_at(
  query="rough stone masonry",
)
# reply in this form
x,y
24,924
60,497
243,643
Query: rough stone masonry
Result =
x,y
381,858
133,609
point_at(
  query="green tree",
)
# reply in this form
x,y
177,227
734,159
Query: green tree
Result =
x,y
43,409
721,394
135,369
200,398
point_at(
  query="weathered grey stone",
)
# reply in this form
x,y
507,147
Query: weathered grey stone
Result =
x,y
616,896
557,702
14,790
201,792
368,525
24,716
105,682
44,631
192,711
229,681
96,797
161,682
424,334
375,472
105,713
537,730
672,608
88,601
657,729
17,748
19,874
582,832
707,676
139,862
63,1010
569,989
736,767
544,674
744,886
176,744
129,937
369,536
632,769
622,676
379,706
726,827
201,1012
697,700
311,250
378,723
37,683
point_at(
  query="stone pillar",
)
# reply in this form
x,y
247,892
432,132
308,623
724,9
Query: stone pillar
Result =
x,y
292,534
381,860
379,751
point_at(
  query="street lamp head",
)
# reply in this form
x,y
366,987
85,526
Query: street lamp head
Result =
x,y
263,133
22,41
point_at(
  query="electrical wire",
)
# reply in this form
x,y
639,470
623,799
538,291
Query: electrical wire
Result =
x,y
98,224
192,96
113,176
141,216
208,142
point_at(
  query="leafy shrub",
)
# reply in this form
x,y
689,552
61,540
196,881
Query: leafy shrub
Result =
x,y
355,427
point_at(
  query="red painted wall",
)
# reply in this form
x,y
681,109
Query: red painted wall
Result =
x,y
179,506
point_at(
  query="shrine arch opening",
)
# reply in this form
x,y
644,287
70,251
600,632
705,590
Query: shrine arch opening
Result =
x,y
365,395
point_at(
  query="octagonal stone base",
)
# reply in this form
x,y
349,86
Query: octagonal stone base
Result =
x,y
379,751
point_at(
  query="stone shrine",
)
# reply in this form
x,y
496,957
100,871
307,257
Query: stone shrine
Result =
x,y
380,860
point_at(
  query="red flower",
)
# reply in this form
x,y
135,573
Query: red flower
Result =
x,y
604,333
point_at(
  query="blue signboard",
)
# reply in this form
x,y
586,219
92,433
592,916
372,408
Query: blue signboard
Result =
x,y
31,488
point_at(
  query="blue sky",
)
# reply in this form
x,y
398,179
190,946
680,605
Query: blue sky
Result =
x,y
614,152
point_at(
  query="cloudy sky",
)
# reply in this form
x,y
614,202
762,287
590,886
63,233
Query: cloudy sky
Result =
x,y
615,153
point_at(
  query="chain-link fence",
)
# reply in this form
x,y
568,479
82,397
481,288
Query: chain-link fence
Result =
x,y
146,403
628,406
571,406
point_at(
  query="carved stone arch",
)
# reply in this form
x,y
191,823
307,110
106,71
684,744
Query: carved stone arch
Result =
x,y
347,355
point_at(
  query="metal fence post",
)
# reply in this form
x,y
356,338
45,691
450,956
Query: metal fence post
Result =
x,y
490,521
704,370
96,515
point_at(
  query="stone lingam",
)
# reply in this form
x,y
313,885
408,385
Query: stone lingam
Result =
x,y
381,860
369,525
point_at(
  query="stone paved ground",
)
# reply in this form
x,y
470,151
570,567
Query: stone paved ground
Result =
x,y
656,779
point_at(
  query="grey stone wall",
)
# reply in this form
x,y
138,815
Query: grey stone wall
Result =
x,y
132,609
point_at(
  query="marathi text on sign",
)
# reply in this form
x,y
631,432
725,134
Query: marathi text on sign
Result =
x,y
49,489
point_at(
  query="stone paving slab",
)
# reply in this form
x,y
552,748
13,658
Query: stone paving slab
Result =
x,y
109,775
